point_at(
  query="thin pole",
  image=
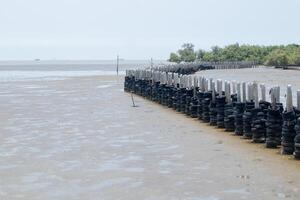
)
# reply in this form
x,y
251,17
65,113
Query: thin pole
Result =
x,y
117,65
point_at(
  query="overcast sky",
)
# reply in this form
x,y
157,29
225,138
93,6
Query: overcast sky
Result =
x,y
139,29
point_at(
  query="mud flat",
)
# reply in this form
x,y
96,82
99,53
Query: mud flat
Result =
x,y
80,138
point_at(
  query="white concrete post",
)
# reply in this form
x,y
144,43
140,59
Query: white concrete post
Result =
x,y
213,92
277,94
233,87
263,92
273,97
289,98
227,92
255,94
244,92
238,85
219,87
298,99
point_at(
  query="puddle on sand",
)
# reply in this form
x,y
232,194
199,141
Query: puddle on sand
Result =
x,y
104,86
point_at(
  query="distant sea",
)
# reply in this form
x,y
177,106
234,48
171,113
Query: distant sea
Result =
x,y
28,70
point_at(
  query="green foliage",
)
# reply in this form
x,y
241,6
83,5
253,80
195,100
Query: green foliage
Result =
x,y
200,54
185,54
174,58
269,55
277,57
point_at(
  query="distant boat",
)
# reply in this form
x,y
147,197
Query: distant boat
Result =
x,y
37,59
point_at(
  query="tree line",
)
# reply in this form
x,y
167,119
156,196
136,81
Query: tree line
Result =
x,y
274,55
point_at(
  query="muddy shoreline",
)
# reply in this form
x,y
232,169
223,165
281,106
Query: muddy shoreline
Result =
x,y
80,138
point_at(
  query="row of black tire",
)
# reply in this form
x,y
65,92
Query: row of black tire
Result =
x,y
274,127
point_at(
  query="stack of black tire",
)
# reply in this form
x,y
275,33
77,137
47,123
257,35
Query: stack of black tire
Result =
x,y
182,100
258,126
154,92
238,117
264,105
175,91
297,140
165,95
128,84
247,120
170,97
229,117
161,93
288,132
205,106
213,114
179,94
220,106
274,126
194,106
200,107
188,99
148,89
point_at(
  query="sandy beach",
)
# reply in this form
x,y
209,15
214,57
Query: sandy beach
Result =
x,y
80,138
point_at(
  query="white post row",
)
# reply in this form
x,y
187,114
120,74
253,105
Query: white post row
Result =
x,y
244,91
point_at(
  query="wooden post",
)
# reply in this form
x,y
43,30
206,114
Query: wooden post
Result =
x,y
298,99
244,92
238,85
289,98
263,92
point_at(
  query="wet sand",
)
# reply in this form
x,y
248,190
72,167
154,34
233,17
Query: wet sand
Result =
x,y
80,138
